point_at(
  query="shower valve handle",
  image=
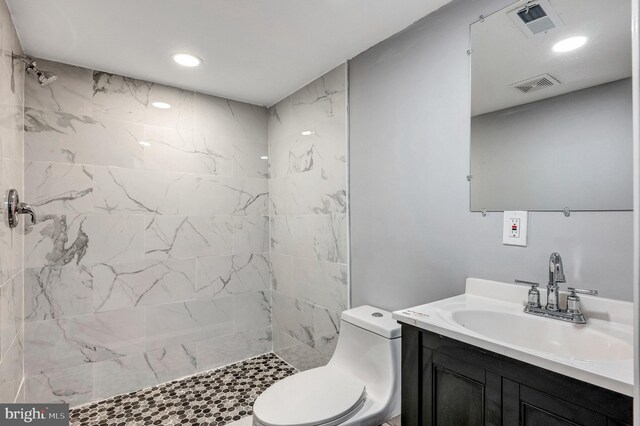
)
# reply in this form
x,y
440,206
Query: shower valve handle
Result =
x,y
14,207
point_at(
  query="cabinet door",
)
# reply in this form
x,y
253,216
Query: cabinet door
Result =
x,y
524,406
458,393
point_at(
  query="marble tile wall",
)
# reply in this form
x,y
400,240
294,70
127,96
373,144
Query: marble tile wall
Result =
x,y
308,218
11,240
150,261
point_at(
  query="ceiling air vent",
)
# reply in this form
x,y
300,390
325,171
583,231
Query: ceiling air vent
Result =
x,y
536,18
536,83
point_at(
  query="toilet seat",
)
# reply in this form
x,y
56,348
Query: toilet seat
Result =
x,y
322,396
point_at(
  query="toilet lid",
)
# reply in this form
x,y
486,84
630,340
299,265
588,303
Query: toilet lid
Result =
x,y
312,397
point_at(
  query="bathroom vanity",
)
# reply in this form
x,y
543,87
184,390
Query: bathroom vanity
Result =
x,y
478,359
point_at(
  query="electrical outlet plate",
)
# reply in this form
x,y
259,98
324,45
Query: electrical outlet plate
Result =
x,y
514,228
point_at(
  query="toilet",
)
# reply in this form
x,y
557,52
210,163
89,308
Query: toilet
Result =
x,y
359,386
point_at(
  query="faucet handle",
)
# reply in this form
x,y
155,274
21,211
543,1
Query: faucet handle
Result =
x,y
574,290
527,283
573,302
533,300
23,208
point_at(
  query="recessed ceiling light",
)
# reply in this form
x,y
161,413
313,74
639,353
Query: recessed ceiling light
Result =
x,y
144,144
161,105
306,133
569,44
264,157
186,59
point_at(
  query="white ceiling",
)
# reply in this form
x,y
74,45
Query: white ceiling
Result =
x,y
257,51
503,54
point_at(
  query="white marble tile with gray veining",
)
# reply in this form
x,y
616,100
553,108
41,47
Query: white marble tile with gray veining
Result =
x,y
71,93
321,100
220,351
69,342
323,150
250,159
225,196
227,118
21,397
326,325
12,129
321,237
173,362
59,188
112,279
320,283
11,368
282,340
281,273
121,191
11,71
54,292
250,234
223,275
180,115
11,311
67,138
308,193
120,98
56,240
9,44
150,282
295,353
184,151
168,237
11,240
73,386
122,375
114,239
293,317
252,310
186,322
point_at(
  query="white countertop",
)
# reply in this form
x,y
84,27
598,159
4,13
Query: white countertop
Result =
x,y
600,352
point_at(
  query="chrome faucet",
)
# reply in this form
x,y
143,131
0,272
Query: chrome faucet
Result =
x,y
552,309
556,275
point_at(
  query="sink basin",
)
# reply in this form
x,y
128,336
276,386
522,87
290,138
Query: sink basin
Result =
x,y
546,335
489,315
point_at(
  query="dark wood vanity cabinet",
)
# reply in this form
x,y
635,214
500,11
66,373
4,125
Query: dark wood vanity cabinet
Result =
x,y
449,383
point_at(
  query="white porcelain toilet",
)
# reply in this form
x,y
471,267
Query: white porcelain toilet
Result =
x,y
359,386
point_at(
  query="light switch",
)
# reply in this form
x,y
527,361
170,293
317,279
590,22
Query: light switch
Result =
x,y
514,232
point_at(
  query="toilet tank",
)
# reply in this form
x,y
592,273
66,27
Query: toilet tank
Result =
x,y
369,346
372,319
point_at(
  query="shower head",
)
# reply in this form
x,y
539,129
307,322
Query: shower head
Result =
x,y
44,78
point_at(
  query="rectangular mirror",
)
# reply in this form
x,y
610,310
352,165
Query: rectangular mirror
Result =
x,y
551,107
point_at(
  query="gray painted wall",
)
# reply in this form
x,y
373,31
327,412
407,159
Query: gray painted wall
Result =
x,y
571,150
413,239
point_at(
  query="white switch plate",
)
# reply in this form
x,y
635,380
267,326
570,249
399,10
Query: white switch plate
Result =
x,y
514,228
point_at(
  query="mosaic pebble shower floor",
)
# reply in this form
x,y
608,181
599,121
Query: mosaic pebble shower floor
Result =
x,y
213,398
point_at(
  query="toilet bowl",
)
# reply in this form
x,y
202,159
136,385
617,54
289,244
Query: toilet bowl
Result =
x,y
359,386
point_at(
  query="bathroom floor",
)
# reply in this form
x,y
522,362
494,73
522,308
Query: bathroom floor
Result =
x,y
213,398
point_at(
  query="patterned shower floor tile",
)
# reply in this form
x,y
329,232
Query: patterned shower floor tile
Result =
x,y
212,398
